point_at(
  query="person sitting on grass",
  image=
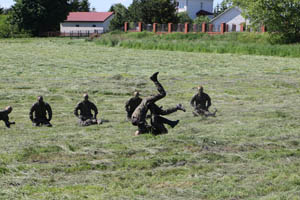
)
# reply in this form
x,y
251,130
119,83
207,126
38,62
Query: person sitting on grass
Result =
x,y
4,116
201,103
40,110
85,117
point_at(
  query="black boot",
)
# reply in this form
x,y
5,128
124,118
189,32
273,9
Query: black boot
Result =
x,y
154,77
174,123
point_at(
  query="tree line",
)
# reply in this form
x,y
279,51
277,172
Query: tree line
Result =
x,y
34,17
281,18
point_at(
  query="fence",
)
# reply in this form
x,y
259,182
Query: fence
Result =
x,y
188,28
72,34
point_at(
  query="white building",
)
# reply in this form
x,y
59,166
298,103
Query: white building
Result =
x,y
195,8
86,22
230,16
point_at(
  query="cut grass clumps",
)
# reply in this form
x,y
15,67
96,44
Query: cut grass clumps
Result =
x,y
250,150
34,152
234,43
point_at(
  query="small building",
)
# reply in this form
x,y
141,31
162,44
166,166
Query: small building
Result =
x,y
195,8
92,22
231,16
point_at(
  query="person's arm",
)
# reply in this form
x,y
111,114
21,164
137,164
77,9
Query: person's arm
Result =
x,y
208,102
7,122
193,101
94,107
76,110
127,106
32,110
49,110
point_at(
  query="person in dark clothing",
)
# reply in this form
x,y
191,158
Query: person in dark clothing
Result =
x,y
157,121
40,110
85,117
138,117
4,116
132,104
201,103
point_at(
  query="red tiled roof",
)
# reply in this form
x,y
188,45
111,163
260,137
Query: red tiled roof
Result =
x,y
88,16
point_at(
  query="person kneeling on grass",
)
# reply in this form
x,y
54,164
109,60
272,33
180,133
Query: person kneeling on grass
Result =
x,y
4,116
40,110
201,103
85,117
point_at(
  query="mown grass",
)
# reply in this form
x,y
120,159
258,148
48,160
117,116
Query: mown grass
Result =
x,y
249,151
234,43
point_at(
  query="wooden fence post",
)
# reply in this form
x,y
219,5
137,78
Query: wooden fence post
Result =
x,y
186,28
242,28
154,27
211,28
170,27
125,27
223,27
203,27
263,29
140,27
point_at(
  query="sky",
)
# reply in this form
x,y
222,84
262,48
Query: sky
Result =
x,y
100,5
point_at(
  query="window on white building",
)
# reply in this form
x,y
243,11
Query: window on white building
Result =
x,y
181,4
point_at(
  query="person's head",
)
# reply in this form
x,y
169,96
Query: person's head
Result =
x,y
40,99
136,94
85,97
9,109
200,89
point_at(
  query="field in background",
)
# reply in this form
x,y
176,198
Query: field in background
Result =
x,y
234,43
251,150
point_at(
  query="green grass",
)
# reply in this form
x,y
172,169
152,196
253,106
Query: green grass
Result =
x,y
251,150
234,43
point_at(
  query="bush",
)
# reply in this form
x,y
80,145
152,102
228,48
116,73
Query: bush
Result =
x,y
8,31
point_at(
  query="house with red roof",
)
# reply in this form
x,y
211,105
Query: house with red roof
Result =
x,y
84,22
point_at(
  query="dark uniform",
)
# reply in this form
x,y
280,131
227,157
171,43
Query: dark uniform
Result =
x,y
85,117
131,105
40,110
4,117
158,122
138,117
201,103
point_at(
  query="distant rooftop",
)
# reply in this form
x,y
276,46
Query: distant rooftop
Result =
x,y
88,16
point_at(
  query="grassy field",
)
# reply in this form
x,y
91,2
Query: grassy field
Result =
x,y
251,150
235,43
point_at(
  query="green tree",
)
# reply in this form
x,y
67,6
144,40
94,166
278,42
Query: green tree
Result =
x,y
183,17
121,15
153,11
79,6
220,8
282,18
201,20
39,16
1,10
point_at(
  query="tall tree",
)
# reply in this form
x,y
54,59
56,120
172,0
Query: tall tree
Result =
x,y
1,10
79,6
282,18
121,15
150,11
220,8
38,16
